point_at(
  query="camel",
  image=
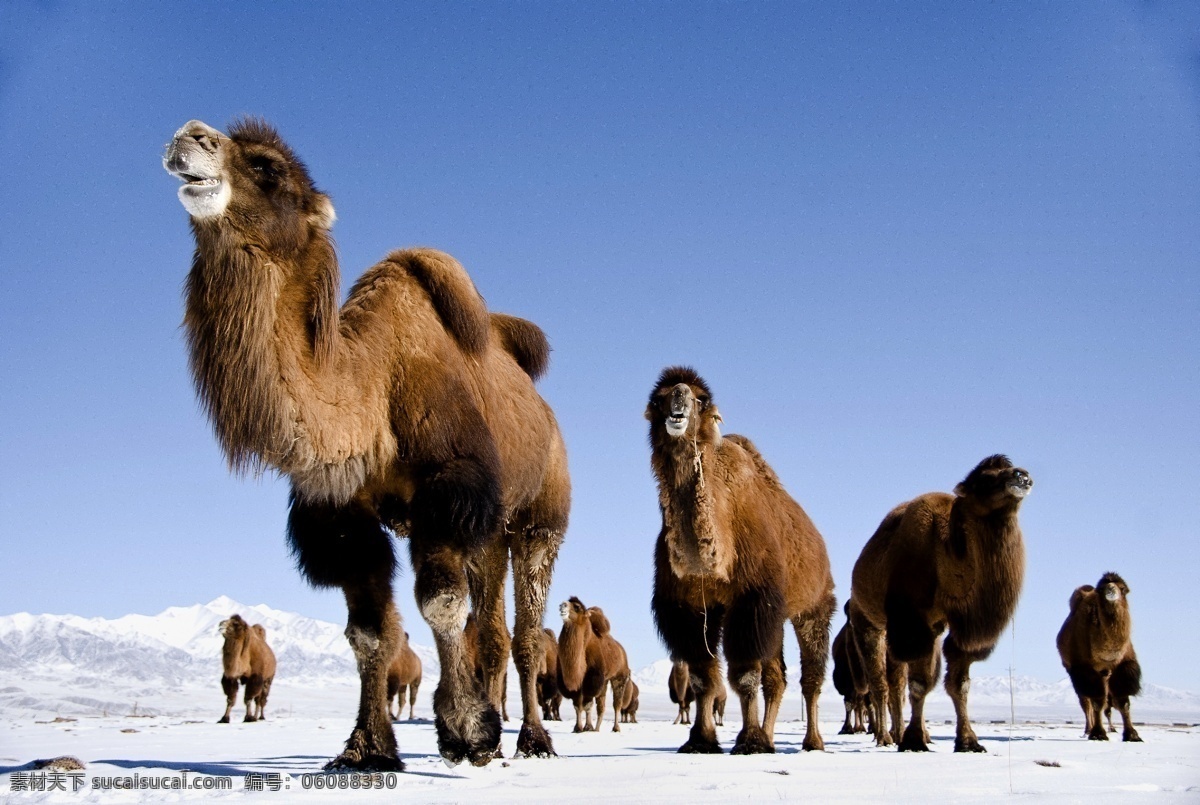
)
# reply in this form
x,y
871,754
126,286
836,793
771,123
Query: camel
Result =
x,y
404,676
681,695
939,563
589,659
681,692
410,410
736,557
1096,647
547,681
629,706
246,659
844,655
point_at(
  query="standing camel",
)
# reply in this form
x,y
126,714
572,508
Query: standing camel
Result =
x,y
939,562
404,678
246,659
408,410
589,659
736,558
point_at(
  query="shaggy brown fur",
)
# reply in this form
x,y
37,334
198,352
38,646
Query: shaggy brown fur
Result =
x,y
589,659
247,659
940,561
410,409
547,681
681,692
629,706
1096,647
735,559
404,676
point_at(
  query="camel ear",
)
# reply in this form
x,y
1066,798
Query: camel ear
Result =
x,y
716,415
960,491
323,214
649,413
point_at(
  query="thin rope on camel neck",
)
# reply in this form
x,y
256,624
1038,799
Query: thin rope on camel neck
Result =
x,y
696,462
704,606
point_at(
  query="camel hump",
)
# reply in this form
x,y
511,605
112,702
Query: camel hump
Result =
x,y
600,624
260,630
452,293
1079,594
525,341
760,464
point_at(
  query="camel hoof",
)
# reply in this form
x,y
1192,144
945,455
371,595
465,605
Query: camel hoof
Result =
x,y
752,742
534,742
1132,737
353,761
249,720
913,741
970,744
223,720
700,747
846,730
1098,735
815,745
454,748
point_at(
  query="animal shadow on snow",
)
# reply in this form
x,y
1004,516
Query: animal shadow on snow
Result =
x,y
289,764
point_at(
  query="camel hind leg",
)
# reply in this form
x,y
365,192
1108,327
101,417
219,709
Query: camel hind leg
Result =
x,y
486,571
871,643
812,633
261,700
254,684
412,699
774,681
346,547
534,549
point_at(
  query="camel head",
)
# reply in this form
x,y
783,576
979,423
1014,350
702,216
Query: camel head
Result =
x,y
248,179
233,627
1112,587
573,610
995,484
681,405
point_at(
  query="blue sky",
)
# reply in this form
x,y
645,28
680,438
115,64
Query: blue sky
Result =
x,y
894,237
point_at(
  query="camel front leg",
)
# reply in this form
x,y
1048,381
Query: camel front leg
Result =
x,y
467,725
486,571
872,647
704,675
346,547
958,683
230,688
534,552
921,679
254,685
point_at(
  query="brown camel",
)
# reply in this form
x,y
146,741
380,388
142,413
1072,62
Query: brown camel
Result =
x,y
247,659
589,659
547,681
681,695
404,676
1096,647
629,706
735,559
939,562
475,660
681,692
844,655
410,410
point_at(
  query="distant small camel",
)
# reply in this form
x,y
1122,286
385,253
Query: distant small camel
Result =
x,y
404,676
1096,647
246,659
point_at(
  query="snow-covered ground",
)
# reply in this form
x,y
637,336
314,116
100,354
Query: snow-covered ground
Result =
x,y
139,695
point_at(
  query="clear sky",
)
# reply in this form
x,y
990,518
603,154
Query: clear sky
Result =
x,y
894,237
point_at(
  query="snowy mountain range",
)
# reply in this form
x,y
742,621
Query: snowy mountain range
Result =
x,y
65,664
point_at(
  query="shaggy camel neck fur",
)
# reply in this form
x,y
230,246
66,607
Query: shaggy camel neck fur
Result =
x,y
409,410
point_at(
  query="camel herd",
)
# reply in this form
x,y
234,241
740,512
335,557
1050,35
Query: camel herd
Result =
x,y
410,411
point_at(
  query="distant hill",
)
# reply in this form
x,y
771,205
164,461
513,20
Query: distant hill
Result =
x,y
170,663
